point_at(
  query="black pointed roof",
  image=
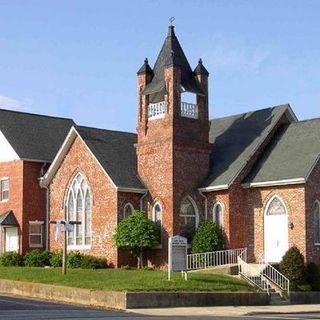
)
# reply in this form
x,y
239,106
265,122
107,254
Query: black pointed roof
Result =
x,y
145,68
171,54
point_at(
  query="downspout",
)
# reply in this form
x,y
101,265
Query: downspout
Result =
x,y
141,200
47,204
205,204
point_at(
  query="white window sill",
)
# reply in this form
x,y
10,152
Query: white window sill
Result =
x,y
317,244
79,247
4,201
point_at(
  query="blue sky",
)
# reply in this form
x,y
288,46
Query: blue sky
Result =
x,y
79,59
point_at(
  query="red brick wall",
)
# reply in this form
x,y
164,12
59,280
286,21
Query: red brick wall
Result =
x,y
312,194
105,200
294,199
34,201
14,171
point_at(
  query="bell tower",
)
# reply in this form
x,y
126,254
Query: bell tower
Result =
x,y
173,147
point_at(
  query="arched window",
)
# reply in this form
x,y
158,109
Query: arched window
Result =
x,y
79,208
188,218
317,220
276,207
127,210
217,214
157,218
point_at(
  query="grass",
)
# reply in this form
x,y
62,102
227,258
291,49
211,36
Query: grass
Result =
x,y
130,280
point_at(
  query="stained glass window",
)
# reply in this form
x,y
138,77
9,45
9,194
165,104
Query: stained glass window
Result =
x,y
79,208
218,214
317,218
127,210
276,207
157,219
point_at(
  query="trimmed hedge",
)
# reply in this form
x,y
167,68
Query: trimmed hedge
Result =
x,y
38,258
11,259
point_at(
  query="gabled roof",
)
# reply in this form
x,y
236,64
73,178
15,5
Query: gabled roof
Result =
x,y
114,152
172,54
235,140
32,136
290,156
8,219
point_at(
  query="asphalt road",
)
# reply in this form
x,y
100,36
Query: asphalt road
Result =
x,y
22,309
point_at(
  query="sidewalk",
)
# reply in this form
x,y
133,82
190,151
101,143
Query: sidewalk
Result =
x,y
228,311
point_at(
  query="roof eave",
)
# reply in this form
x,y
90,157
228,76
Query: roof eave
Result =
x,y
272,183
131,190
214,188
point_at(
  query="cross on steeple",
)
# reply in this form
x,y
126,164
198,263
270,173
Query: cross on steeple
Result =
x,y
171,20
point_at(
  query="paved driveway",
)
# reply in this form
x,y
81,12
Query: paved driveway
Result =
x,y
23,309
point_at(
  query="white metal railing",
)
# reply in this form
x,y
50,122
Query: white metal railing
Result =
x,y
156,110
189,110
252,275
215,258
272,274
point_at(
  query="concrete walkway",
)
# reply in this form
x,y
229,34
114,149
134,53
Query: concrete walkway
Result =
x,y
228,311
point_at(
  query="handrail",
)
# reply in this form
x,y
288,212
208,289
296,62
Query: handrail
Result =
x,y
274,275
252,275
215,258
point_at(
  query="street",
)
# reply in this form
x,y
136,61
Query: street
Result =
x,y
22,309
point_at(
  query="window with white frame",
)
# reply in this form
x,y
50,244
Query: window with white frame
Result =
x,y
157,219
218,214
4,189
36,234
317,220
79,208
127,210
188,218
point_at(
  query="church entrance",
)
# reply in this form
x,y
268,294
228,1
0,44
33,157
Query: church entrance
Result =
x,y
275,230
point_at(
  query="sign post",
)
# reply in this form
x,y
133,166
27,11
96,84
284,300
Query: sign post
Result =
x,y
67,226
177,254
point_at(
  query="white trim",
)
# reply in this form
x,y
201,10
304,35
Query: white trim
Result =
x,y
214,188
1,191
78,247
36,223
131,190
274,183
222,213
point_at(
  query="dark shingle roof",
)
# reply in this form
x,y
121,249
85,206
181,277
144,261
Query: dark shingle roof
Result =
x,y
115,152
292,153
172,54
235,139
8,219
33,136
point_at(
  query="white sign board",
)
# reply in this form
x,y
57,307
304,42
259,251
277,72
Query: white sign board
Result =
x,y
177,254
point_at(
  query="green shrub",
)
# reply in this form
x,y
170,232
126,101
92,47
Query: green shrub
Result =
x,y
37,258
11,259
56,259
293,267
74,260
313,276
208,237
126,267
91,262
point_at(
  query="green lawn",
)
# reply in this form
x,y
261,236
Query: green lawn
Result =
x,y
130,280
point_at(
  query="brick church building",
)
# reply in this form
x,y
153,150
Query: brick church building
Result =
x,y
256,174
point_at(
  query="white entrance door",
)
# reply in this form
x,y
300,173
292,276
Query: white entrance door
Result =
x,y
275,231
12,239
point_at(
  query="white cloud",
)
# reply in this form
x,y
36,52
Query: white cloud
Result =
x,y
14,104
236,55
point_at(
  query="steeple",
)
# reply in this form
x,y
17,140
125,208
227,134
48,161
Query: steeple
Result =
x,y
171,54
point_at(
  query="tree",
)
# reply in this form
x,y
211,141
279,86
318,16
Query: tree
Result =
x,y
293,267
135,233
208,237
